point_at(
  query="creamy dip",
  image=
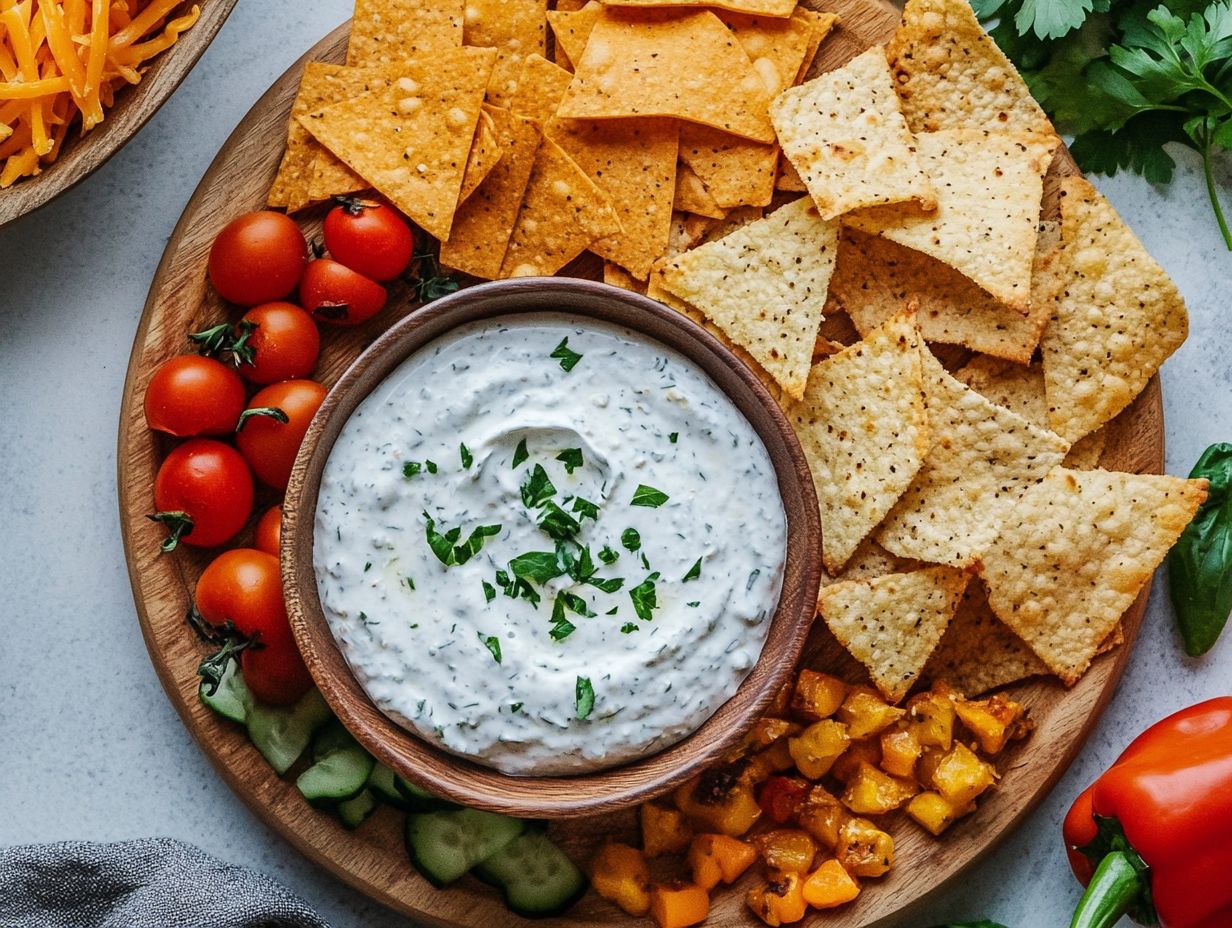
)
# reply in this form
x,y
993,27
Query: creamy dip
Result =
x,y
549,545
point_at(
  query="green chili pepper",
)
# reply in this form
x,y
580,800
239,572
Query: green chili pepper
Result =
x,y
1200,564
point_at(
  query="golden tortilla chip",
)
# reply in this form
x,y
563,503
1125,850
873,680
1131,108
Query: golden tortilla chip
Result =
x,y
686,65
735,171
692,196
981,459
864,431
989,187
633,161
788,179
541,86
331,177
571,28
563,212
820,25
869,561
892,624
569,6
616,276
951,75
779,8
765,286
777,47
1116,316
482,225
410,139
844,133
1075,553
385,32
516,29
491,135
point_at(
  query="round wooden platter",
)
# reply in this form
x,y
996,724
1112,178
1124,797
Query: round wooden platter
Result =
x,y
83,154
372,858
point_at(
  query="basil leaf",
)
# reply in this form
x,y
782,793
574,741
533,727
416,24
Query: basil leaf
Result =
x,y
537,488
492,643
584,694
565,355
571,458
1200,563
649,497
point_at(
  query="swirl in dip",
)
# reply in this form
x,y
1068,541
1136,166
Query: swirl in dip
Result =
x,y
549,545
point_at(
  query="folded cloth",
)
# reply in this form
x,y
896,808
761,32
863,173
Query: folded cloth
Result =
x,y
150,883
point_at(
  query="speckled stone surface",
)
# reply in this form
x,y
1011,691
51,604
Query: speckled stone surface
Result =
x,y
89,746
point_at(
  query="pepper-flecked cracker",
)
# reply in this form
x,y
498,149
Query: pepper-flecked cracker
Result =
x,y
385,32
410,140
864,430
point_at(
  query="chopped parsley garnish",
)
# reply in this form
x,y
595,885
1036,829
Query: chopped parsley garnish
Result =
x,y
516,707
645,560
557,523
567,357
492,643
612,585
585,508
645,598
562,628
612,611
537,566
576,604
672,437
571,458
629,627
467,458
694,604
410,581
520,454
411,468
631,539
752,579
648,497
430,466
489,591
585,695
367,566
537,488
694,572
446,548
607,555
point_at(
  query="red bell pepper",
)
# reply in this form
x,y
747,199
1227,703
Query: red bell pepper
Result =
x,y
1150,838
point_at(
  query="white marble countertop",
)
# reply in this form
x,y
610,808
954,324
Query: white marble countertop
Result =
x,y
90,748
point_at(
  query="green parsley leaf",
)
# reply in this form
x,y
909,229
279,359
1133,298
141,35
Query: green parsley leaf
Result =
x,y
607,555
612,611
571,458
411,468
649,497
672,437
467,458
580,568
537,489
537,566
631,539
611,585
489,591
629,627
645,598
445,546
468,549
516,707
585,508
694,604
562,628
576,604
520,454
585,697
557,523
430,466
492,643
565,355
694,572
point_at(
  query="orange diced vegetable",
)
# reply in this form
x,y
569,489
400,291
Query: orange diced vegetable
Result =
x,y
817,747
718,801
860,752
961,775
779,901
865,713
991,720
678,905
822,815
781,798
933,813
874,792
900,749
787,849
664,830
782,701
620,875
829,886
864,849
817,695
932,719
718,858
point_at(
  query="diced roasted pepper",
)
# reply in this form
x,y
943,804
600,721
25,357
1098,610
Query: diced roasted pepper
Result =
x,y
961,775
780,798
817,747
664,830
864,849
991,720
829,886
778,901
718,801
718,858
900,749
874,792
817,695
764,733
932,719
620,875
787,849
678,905
930,758
865,713
765,764
822,815
933,813
860,752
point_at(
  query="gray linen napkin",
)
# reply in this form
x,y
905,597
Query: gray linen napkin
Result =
x,y
150,883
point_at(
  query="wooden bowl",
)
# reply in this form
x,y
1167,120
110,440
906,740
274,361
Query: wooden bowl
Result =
x,y
557,796
81,154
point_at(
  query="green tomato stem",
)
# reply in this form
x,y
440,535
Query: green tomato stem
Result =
x,y
1113,890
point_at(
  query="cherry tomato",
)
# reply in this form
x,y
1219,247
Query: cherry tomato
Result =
x,y
273,426
257,258
334,293
203,493
190,395
781,797
269,531
370,238
244,586
284,343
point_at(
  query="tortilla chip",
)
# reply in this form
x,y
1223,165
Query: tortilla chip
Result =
x,y
486,149
870,560
692,196
892,624
541,86
982,457
1116,316
687,65
820,25
779,8
563,212
951,75
331,177
616,276
1076,551
735,171
788,179
290,186
844,133
989,187
410,140
765,286
516,29
777,47
483,224
569,6
385,32
864,431
633,161
571,30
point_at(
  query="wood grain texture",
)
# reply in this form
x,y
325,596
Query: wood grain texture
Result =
x,y
372,859
81,154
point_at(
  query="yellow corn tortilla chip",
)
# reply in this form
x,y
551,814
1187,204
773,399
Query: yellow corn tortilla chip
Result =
x,y
892,624
563,212
1116,316
864,431
779,8
777,47
541,86
687,65
869,561
617,276
568,6
989,187
981,459
385,32
290,187
692,196
516,29
486,149
765,286
571,29
633,161
845,135
410,139
788,179
820,24
735,171
1075,553
331,177
951,75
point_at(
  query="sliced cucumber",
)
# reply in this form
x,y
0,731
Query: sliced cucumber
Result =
x,y
538,879
354,812
383,784
445,845
283,734
341,767
230,698
418,799
330,738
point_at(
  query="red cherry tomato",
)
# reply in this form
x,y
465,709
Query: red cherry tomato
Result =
x,y
781,797
244,586
369,238
190,395
284,343
269,444
269,531
203,493
334,293
257,258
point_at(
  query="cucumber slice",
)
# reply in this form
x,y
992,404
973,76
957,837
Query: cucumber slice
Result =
x,y
418,799
354,812
538,879
282,734
341,769
445,845
231,699
330,738
382,783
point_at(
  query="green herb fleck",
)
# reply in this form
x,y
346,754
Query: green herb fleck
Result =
x,y
571,458
575,604
645,598
537,566
445,546
631,539
629,627
492,643
467,458
567,357
489,591
537,489
516,707
694,604
585,508
520,454
607,555
585,695
410,581
612,585
562,628
752,579
612,611
672,437
367,567
649,497
430,466
411,468
557,523
694,572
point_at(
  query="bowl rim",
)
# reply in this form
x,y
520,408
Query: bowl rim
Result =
x,y
465,781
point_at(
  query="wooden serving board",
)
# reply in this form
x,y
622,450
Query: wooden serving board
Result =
x,y
372,859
